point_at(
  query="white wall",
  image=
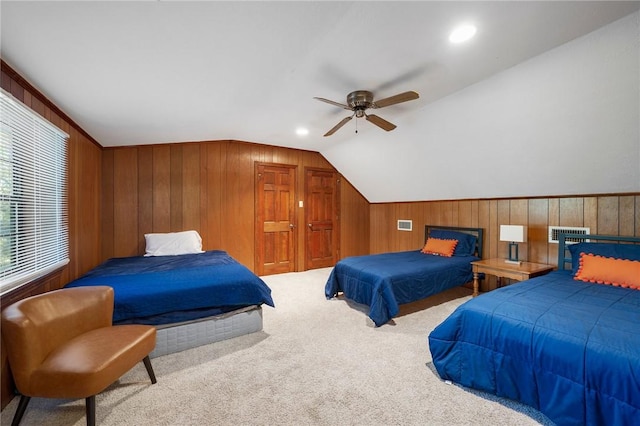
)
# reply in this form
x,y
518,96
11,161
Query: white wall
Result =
x,y
564,123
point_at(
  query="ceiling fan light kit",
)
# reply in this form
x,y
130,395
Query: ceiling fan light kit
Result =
x,y
361,100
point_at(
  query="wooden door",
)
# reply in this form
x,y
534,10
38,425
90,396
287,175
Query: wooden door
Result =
x,y
275,219
322,218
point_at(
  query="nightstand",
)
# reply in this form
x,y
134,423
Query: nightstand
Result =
x,y
502,269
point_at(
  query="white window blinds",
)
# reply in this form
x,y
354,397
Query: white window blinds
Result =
x,y
33,198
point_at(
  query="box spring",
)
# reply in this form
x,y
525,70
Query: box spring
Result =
x,y
178,337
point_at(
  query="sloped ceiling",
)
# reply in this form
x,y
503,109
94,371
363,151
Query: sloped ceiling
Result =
x,y
146,72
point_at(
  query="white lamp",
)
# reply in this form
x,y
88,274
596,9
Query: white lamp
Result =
x,y
514,234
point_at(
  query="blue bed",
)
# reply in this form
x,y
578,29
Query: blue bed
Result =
x,y
168,289
384,281
568,348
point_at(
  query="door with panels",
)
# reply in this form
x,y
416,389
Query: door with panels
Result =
x,y
322,217
275,218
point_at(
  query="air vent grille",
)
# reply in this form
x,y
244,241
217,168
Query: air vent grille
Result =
x,y
554,232
405,225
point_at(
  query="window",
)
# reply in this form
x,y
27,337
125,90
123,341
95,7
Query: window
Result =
x,y
33,199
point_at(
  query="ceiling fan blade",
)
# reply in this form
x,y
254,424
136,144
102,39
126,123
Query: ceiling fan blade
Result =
x,y
396,99
380,122
337,126
333,103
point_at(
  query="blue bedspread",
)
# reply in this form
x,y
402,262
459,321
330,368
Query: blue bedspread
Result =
x,y
148,286
568,348
384,281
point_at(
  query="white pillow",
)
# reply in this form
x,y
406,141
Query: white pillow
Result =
x,y
173,243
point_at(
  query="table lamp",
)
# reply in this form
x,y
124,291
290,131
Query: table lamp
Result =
x,y
514,234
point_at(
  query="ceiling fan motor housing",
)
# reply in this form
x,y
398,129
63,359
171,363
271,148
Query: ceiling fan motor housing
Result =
x,y
360,99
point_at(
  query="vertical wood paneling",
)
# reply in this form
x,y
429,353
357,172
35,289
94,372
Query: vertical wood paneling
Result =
x,y
145,194
125,209
519,215
591,214
608,215
191,187
502,218
554,219
484,222
87,207
464,213
176,202
355,222
212,203
571,211
538,230
161,188
73,206
239,204
626,215
107,232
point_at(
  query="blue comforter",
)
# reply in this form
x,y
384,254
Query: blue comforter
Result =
x,y
149,286
568,348
383,281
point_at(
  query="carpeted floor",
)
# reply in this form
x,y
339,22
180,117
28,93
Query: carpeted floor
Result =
x,y
317,362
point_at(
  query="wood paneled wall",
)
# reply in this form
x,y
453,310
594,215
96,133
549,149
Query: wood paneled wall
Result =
x,y
209,187
607,215
84,178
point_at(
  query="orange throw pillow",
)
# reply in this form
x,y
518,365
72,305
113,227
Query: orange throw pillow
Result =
x,y
609,270
440,247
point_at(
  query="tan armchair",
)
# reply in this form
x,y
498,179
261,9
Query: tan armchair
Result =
x,y
62,344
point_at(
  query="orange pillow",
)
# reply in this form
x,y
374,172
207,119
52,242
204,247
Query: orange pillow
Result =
x,y
609,270
439,247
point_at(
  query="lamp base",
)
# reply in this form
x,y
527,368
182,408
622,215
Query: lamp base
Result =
x,y
513,262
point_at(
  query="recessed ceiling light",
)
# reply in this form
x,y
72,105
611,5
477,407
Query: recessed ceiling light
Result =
x,y
301,131
462,33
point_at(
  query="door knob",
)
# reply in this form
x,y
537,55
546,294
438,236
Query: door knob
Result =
x,y
291,226
310,225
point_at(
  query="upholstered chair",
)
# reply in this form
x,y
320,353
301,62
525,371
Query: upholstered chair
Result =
x,y
62,344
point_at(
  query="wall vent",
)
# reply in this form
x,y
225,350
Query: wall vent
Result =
x,y
554,232
405,225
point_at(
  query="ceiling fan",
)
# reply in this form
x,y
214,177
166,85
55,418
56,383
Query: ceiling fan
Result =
x,y
361,100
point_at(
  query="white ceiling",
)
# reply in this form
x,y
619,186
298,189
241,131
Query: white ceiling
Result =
x,y
147,72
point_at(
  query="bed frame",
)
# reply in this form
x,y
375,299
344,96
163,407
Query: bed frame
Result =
x,y
477,232
172,338
566,239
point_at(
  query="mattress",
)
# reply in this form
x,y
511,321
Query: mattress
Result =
x,y
171,289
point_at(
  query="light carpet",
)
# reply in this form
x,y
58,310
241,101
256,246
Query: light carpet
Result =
x,y
316,362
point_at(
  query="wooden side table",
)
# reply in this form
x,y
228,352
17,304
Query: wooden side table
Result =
x,y
502,269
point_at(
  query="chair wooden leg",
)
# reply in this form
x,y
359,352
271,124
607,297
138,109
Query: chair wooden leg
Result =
x,y
147,364
91,410
22,406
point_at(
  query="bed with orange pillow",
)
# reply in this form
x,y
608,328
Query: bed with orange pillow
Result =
x,y
385,281
566,343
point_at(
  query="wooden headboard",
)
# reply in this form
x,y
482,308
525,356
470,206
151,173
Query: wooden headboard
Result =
x,y
566,239
477,232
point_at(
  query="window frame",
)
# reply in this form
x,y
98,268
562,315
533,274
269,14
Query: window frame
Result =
x,y
34,225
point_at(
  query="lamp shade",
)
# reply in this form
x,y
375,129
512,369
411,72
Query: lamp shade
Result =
x,y
513,233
